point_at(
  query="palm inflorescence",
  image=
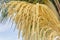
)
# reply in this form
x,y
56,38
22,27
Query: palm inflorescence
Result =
x,y
36,19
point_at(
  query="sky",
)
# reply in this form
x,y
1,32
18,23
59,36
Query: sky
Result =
x,y
7,32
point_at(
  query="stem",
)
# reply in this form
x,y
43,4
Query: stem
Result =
x,y
58,5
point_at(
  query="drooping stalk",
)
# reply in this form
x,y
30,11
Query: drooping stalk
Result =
x,y
58,5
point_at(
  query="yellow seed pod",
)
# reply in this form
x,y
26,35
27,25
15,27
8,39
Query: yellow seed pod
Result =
x,y
36,21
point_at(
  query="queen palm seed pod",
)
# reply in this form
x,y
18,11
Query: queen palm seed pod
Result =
x,y
35,21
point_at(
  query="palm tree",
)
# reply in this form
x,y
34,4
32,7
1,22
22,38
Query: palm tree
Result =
x,y
36,19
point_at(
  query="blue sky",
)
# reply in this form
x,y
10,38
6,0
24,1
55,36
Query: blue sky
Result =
x,y
8,33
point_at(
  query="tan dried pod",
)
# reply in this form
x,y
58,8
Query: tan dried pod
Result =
x,y
36,21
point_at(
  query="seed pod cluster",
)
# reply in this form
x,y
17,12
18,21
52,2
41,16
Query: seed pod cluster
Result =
x,y
36,21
